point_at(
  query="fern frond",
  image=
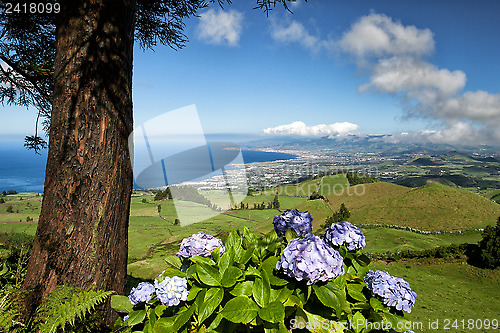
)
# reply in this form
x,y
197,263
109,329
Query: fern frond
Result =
x,y
65,304
8,314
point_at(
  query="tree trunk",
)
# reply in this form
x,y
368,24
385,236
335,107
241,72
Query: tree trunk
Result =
x,y
82,231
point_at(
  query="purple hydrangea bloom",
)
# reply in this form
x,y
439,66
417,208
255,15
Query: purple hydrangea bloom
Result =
x,y
171,290
292,218
199,244
344,233
309,258
142,293
393,291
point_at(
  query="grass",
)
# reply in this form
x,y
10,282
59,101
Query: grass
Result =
x,y
303,189
383,239
336,184
433,207
448,290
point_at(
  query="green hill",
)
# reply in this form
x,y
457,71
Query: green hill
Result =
x,y
432,207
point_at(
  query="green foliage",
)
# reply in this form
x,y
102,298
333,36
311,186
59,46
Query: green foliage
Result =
x,y
13,263
162,195
241,291
450,251
490,246
10,209
356,178
65,305
276,202
342,214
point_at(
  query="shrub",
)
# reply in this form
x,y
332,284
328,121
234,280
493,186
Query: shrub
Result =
x,y
490,246
343,214
10,209
270,283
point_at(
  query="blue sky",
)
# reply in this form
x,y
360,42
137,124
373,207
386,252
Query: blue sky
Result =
x,y
427,69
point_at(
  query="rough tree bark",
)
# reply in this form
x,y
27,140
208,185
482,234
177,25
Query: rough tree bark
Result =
x,y
82,231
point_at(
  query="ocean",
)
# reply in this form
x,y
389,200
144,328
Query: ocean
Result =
x,y
22,170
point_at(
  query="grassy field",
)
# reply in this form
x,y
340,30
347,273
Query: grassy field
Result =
x,y
433,207
381,239
448,291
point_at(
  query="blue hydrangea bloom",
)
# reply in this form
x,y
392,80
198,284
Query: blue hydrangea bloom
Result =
x,y
344,233
292,218
142,293
310,259
199,244
393,291
171,290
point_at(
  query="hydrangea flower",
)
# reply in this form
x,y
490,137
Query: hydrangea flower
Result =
x,y
292,218
171,290
309,258
199,244
142,293
344,233
393,291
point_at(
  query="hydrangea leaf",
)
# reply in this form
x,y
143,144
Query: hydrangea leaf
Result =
x,y
226,260
252,271
233,241
215,323
212,299
274,312
316,323
209,275
164,325
280,295
363,260
230,276
198,302
152,316
329,295
290,234
216,254
269,264
261,289
159,310
396,321
193,291
202,260
242,289
240,309
293,301
275,327
182,318
174,261
135,317
246,255
358,322
339,281
376,304
121,303
276,281
250,236
355,291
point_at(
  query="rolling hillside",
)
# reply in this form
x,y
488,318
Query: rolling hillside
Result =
x,y
432,207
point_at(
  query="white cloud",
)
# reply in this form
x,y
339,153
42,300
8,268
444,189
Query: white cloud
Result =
x,y
394,55
378,35
301,129
295,32
457,132
220,27
398,74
